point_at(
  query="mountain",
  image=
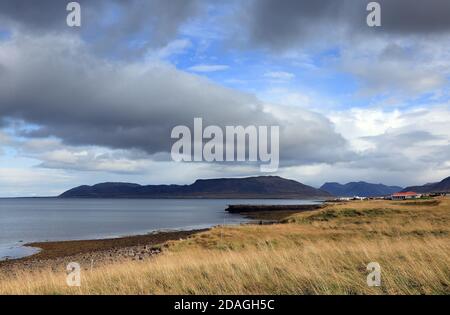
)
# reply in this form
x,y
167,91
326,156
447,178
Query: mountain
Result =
x,y
263,187
361,189
442,186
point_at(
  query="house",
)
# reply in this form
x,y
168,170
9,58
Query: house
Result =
x,y
405,195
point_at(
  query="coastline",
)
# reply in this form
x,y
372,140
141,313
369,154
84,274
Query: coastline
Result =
x,y
94,253
318,252
91,253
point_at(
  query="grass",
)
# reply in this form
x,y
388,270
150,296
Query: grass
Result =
x,y
322,252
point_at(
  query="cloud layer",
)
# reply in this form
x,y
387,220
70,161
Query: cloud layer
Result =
x,y
295,23
88,101
105,22
80,105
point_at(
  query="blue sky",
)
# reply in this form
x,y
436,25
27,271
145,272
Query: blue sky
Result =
x,y
96,103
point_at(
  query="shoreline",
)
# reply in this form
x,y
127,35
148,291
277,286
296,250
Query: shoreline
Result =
x,y
39,245
56,255
92,253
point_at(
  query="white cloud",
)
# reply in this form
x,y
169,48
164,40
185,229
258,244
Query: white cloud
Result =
x,y
356,123
409,146
208,68
279,75
20,182
176,47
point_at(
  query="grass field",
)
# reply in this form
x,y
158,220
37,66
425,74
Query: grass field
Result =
x,y
320,252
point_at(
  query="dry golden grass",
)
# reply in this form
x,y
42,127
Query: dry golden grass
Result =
x,y
323,252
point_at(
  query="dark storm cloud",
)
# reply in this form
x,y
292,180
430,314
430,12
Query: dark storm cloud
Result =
x,y
55,83
107,24
44,14
277,24
280,24
416,16
289,23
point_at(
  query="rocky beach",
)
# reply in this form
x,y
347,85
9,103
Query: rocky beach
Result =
x,y
93,253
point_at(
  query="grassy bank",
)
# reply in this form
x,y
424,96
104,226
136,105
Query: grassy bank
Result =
x,y
322,252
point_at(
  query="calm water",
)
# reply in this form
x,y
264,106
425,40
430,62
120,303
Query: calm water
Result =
x,y
32,220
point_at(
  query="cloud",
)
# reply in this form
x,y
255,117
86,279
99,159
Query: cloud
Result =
x,y
415,16
285,24
53,154
399,58
125,28
279,75
176,47
21,13
135,28
397,67
19,182
4,141
208,68
56,84
397,146
279,25
268,23
103,99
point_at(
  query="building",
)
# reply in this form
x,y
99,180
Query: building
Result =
x,y
405,195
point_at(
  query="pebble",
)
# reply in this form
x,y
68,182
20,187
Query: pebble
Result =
x,y
134,253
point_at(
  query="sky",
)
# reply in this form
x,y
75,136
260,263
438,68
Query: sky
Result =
x,y
97,103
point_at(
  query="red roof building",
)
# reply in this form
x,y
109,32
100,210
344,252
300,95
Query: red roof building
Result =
x,y
405,195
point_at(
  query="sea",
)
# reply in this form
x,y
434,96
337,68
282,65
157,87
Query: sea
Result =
x,y
26,220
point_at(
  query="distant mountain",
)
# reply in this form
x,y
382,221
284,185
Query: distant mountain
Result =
x,y
443,186
361,189
264,187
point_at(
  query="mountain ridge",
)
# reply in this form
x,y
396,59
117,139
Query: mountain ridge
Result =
x,y
442,186
361,188
261,187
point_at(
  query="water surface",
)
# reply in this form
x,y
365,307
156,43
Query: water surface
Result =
x,y
26,220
